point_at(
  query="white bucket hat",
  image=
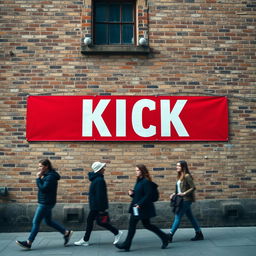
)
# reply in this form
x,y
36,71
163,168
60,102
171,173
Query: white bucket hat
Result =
x,y
97,166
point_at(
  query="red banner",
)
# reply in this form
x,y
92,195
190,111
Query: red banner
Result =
x,y
127,118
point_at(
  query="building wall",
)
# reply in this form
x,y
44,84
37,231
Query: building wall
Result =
x,y
198,47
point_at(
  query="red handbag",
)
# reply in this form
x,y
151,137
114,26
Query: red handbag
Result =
x,y
103,218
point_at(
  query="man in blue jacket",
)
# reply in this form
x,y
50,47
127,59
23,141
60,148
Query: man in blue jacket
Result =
x,y
98,202
47,183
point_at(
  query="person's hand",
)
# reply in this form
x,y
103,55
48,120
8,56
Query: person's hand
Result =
x,y
130,192
171,196
39,174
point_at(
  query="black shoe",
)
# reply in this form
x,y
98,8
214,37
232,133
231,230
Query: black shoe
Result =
x,y
199,236
170,236
67,237
165,242
123,247
24,244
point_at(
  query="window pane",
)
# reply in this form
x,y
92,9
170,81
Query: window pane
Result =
x,y
114,22
100,12
114,34
127,34
114,12
127,13
101,34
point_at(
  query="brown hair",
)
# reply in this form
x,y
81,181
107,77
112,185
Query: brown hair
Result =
x,y
46,162
144,171
185,170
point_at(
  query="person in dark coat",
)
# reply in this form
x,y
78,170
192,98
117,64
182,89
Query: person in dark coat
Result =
x,y
47,183
142,208
98,203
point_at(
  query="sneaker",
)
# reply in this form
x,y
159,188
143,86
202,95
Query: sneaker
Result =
x,y
81,242
67,237
117,237
24,244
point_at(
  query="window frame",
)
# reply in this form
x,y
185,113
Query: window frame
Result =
x,y
120,23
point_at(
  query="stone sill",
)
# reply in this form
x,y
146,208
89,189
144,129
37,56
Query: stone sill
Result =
x,y
114,49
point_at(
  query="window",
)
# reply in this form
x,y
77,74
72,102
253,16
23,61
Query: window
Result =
x,y
115,27
114,22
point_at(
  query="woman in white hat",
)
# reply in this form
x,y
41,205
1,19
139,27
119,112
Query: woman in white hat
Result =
x,y
98,202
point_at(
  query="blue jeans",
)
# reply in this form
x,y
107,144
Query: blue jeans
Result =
x,y
44,212
185,209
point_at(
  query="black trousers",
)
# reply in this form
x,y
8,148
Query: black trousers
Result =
x,y
146,223
92,216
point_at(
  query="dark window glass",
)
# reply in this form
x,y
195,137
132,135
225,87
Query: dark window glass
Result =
x,y
101,13
114,22
114,12
127,34
101,34
114,34
127,13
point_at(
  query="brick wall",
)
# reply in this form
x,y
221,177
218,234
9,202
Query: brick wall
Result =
x,y
198,47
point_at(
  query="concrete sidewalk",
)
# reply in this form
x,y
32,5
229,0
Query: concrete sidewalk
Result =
x,y
231,241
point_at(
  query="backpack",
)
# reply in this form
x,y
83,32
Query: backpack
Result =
x,y
155,192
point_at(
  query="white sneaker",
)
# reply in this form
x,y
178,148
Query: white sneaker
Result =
x,y
81,242
117,237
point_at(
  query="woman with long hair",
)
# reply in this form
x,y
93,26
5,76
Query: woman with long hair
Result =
x,y
185,188
142,208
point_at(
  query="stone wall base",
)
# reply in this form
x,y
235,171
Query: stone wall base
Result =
x,y
209,213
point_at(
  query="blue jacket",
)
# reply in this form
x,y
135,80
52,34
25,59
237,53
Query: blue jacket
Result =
x,y
47,188
143,197
98,199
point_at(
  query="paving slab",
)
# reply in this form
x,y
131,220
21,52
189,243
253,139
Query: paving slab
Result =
x,y
227,241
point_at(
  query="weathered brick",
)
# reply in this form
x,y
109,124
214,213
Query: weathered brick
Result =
x,y
204,47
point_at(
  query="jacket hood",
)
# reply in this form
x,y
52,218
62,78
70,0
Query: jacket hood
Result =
x,y
53,174
94,175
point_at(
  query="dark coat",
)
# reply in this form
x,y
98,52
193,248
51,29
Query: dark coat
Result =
x,y
47,188
98,199
142,196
